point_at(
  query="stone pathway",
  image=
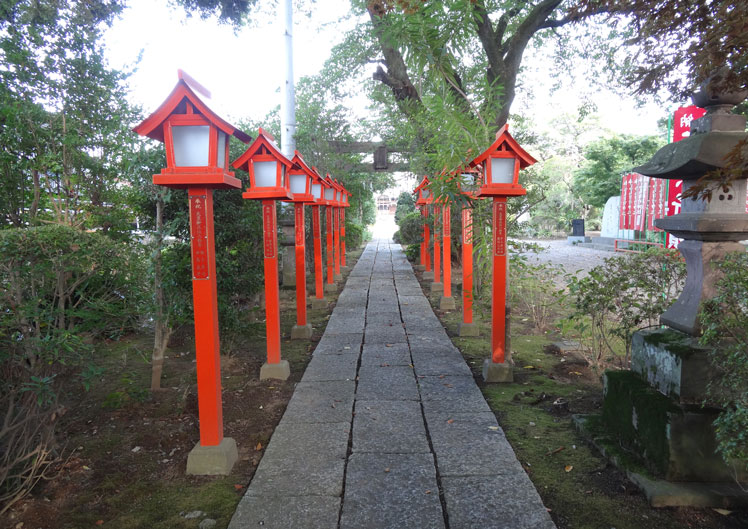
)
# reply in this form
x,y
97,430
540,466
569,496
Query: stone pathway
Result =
x,y
387,428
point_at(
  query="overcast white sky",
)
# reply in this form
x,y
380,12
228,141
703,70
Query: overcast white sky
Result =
x,y
243,71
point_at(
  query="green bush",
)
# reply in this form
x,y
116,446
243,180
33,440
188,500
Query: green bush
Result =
x,y
405,205
724,321
59,283
413,252
354,235
411,229
625,294
536,290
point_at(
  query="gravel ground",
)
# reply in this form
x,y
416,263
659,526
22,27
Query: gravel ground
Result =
x,y
575,259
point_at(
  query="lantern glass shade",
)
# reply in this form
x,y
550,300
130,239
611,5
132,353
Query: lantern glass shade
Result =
x,y
502,170
470,181
265,174
222,140
191,145
329,194
426,193
317,191
298,183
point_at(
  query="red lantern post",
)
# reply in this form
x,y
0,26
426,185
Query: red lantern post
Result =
x,y
318,191
423,198
196,142
331,197
501,163
437,286
336,229
467,327
268,182
301,181
346,204
447,302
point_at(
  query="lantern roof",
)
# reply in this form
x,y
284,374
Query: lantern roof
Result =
x,y
423,184
298,162
177,103
505,142
263,144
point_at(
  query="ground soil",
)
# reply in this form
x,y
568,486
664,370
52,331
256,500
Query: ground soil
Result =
x,y
124,449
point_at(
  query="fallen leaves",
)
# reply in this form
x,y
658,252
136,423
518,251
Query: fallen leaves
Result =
x,y
568,468
258,447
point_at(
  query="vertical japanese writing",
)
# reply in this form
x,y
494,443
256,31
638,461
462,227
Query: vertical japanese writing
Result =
x,y
467,226
199,233
268,228
299,223
499,228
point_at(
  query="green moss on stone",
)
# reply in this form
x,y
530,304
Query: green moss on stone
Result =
x,y
673,341
638,416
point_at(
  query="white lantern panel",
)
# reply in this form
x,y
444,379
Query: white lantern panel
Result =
x,y
221,149
298,183
329,194
502,170
426,193
317,191
191,145
265,174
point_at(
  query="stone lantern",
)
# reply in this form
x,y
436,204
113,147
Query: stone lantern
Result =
x,y
659,411
709,229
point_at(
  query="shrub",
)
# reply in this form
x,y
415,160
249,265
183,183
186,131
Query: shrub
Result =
x,y
411,229
536,290
59,283
724,321
623,295
354,235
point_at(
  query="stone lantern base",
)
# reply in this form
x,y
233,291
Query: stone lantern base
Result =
x,y
655,413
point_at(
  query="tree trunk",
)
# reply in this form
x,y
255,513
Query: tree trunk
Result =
x,y
162,330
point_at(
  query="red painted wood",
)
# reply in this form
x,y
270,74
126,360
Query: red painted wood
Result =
x,y
319,292
205,303
272,299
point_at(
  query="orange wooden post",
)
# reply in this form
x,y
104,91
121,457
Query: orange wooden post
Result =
x,y
336,248
342,237
205,303
467,327
319,293
447,302
302,330
427,238
330,266
272,298
422,260
498,313
437,285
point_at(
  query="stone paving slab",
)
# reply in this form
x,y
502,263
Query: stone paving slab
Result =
x,y
386,383
331,367
384,334
389,427
337,344
396,354
439,363
271,511
330,401
505,502
451,394
489,453
383,318
391,491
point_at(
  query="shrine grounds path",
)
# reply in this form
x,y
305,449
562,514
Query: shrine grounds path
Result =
x,y
387,428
